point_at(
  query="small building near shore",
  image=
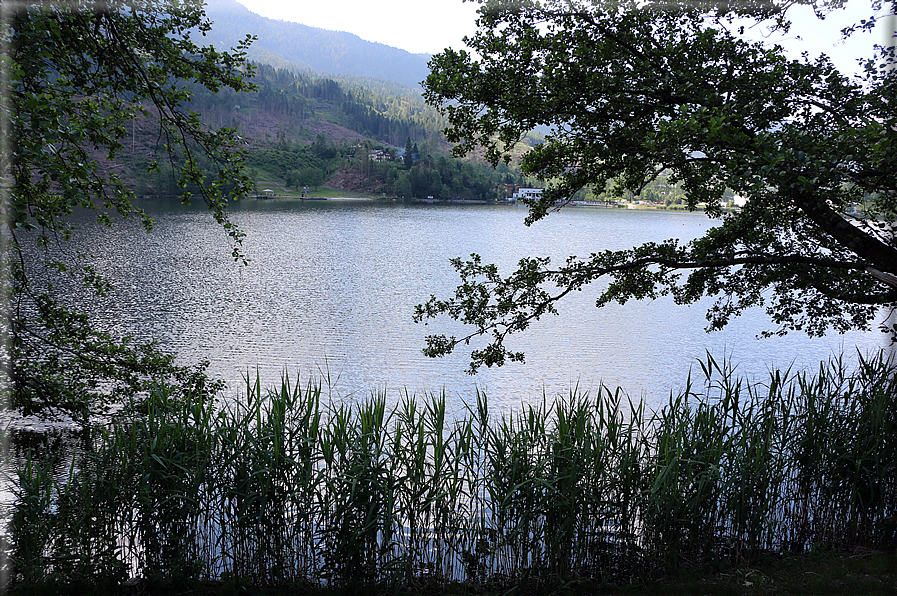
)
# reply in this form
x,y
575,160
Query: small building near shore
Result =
x,y
528,193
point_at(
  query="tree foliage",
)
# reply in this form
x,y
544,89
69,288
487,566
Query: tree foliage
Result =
x,y
634,90
79,74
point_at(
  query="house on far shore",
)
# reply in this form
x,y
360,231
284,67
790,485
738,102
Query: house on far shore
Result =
x,y
528,193
269,193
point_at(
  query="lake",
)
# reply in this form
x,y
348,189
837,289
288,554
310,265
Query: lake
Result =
x,y
332,286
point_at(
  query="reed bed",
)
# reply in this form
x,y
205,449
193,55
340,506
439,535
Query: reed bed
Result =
x,y
288,487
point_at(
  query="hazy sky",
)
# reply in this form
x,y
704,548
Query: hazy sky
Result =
x,y
419,26
428,26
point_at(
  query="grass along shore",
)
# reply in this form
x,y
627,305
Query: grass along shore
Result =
x,y
585,492
321,192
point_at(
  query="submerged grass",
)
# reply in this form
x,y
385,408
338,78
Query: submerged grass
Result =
x,y
286,488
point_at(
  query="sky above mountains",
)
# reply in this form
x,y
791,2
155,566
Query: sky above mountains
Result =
x,y
432,25
420,27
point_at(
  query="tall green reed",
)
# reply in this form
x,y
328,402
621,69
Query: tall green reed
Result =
x,y
287,485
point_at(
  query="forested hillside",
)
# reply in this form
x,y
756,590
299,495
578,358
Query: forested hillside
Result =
x,y
301,130
296,101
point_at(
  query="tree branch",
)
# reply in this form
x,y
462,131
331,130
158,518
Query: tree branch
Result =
x,y
875,252
718,263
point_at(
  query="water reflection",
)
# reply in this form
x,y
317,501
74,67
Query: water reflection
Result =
x,y
332,287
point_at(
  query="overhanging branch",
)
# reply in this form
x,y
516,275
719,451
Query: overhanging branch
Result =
x,y
875,252
889,279
720,263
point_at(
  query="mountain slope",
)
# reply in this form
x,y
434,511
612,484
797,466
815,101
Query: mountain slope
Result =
x,y
332,52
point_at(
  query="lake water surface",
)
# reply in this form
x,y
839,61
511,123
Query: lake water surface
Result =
x,y
331,289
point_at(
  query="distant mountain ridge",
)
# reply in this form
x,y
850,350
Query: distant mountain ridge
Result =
x,y
331,52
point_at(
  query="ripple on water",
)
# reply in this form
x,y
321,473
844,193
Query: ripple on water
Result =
x,y
332,287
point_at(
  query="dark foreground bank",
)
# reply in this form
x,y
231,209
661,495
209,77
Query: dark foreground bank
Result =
x,y
822,573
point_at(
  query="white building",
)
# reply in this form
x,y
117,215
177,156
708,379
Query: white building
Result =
x,y
528,193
